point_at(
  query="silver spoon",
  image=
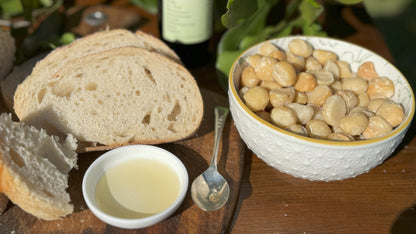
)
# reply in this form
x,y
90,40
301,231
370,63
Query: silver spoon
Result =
x,y
210,191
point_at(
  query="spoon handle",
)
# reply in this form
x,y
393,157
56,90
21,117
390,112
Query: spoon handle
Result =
x,y
220,118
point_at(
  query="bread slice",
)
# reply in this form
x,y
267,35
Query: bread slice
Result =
x,y
17,76
7,50
121,96
93,43
3,202
34,169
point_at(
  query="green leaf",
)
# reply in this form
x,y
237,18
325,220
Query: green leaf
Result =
x,y
47,36
66,38
148,5
223,66
238,11
10,8
46,3
238,38
310,10
349,2
253,25
314,29
28,8
291,8
245,30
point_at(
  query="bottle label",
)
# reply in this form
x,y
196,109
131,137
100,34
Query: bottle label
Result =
x,y
187,21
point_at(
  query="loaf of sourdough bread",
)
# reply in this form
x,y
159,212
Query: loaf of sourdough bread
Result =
x,y
90,44
34,169
116,97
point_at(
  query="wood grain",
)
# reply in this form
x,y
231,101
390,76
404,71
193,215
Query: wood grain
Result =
x,y
194,152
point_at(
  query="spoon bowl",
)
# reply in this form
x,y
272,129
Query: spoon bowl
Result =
x,y
210,191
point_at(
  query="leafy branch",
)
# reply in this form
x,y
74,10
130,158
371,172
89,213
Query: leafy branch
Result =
x,y
247,25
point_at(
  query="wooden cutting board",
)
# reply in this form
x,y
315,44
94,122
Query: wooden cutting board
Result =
x,y
194,152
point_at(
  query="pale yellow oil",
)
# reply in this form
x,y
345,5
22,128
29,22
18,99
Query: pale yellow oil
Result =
x,y
137,188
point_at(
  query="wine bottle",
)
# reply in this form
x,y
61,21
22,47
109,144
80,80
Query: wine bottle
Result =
x,y
186,27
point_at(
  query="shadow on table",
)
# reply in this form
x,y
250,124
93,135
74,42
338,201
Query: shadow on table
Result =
x,y
406,222
245,185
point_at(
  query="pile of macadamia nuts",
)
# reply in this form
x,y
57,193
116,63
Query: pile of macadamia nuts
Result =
x,y
310,92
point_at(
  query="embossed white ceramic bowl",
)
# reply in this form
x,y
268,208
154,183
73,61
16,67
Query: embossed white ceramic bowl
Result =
x,y
316,159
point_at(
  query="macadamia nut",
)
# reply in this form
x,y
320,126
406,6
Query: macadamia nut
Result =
x,y
282,96
354,123
334,110
324,55
256,98
377,126
319,95
318,129
284,73
305,82
391,112
249,78
300,47
380,87
367,71
283,116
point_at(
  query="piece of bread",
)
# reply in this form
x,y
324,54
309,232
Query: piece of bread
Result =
x,y
19,73
34,169
117,97
3,202
90,44
7,50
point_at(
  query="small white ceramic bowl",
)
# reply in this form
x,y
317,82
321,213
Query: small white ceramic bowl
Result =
x,y
124,154
315,159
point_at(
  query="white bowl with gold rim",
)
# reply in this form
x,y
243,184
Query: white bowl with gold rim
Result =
x,y
135,186
316,159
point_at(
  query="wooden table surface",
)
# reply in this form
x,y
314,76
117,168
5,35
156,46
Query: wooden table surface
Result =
x,y
380,201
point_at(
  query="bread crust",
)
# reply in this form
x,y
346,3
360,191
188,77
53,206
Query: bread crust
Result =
x,y
7,50
3,202
18,192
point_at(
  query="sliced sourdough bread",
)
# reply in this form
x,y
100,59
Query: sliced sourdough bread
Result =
x,y
116,97
34,169
17,76
93,43
7,50
3,202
